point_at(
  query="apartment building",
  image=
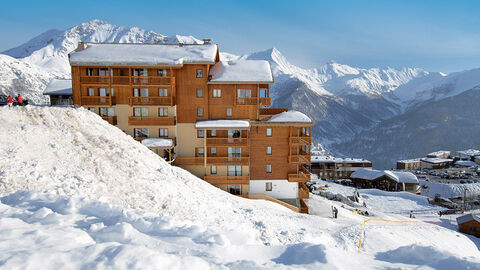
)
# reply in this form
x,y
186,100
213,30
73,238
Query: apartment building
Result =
x,y
208,116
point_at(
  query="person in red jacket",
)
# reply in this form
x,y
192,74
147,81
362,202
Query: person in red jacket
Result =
x,y
20,100
9,101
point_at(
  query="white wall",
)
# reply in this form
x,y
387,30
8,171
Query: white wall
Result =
x,y
281,189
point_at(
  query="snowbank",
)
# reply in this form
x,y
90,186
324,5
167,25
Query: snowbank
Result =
x,y
242,71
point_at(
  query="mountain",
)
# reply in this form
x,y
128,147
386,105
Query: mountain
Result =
x,y
449,123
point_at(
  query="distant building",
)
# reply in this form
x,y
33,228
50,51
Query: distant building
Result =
x,y
337,168
408,164
435,163
468,154
469,224
385,180
439,154
60,92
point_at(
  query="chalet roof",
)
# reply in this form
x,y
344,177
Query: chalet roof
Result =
x,y
125,54
468,152
466,163
367,174
241,71
290,116
409,160
436,160
58,87
157,142
327,159
402,177
467,218
438,153
222,124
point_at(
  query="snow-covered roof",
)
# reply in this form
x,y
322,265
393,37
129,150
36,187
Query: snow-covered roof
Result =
x,y
290,116
367,174
58,87
322,159
218,124
467,218
402,177
244,71
438,153
436,160
409,160
466,163
157,142
468,152
124,54
449,190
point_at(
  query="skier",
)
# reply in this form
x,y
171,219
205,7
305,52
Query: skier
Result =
x,y
20,100
9,101
335,212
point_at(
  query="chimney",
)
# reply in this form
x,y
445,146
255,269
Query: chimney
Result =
x,y
81,46
207,41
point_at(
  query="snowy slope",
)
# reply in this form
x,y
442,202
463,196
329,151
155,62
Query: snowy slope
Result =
x,y
121,206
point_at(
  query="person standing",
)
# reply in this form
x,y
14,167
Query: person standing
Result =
x,y
335,212
20,100
9,101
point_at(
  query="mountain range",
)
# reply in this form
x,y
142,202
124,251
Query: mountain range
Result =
x,y
382,114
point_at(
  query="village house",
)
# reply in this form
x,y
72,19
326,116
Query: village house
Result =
x,y
59,92
408,164
468,154
208,116
327,167
439,154
435,163
469,224
385,180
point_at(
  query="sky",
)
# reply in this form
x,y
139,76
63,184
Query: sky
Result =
x,y
434,35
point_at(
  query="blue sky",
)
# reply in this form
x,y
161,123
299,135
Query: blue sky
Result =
x,y
435,35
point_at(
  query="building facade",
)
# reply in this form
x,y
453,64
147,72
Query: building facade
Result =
x,y
207,116
337,168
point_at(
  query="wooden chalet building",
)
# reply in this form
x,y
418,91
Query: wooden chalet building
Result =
x,y
469,224
385,180
202,114
337,168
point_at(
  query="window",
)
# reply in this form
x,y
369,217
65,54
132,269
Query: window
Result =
x,y
163,112
199,73
269,168
141,132
140,112
140,92
140,72
200,152
269,150
199,92
213,151
92,109
213,170
91,92
229,111
213,133
107,112
234,171
263,92
234,151
269,132
200,133
244,93
200,112
89,71
162,92
217,93
105,92
163,132
162,72
102,72
235,189
268,186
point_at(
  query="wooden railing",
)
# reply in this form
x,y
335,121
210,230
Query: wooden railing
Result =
x,y
227,180
303,140
121,80
265,101
151,121
98,100
189,161
272,111
228,160
112,120
226,141
303,207
303,175
95,79
301,158
166,101
152,80
246,101
303,192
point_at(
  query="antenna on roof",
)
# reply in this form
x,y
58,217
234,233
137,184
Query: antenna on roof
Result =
x,y
207,41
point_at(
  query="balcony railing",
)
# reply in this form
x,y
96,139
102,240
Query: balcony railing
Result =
x,y
121,80
246,101
265,101
153,101
227,141
126,80
95,79
227,180
303,175
98,100
228,160
151,121
303,192
303,140
112,120
152,80
300,158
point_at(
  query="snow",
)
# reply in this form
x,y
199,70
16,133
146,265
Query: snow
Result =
x,y
436,160
59,87
466,163
367,174
157,142
402,177
323,159
438,153
245,71
449,190
467,218
468,152
290,116
222,124
410,160
107,54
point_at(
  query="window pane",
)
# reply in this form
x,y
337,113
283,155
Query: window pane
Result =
x,y
248,93
103,111
229,111
214,133
137,112
214,170
144,111
200,134
231,171
199,73
214,151
269,150
269,132
103,92
91,92
200,112
111,112
136,92
162,92
269,168
199,93
144,92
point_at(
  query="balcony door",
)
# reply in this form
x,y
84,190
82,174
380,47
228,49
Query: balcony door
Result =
x,y
234,171
140,92
234,152
243,95
140,112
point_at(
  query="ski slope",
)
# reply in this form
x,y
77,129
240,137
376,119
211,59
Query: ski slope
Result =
x,y
76,192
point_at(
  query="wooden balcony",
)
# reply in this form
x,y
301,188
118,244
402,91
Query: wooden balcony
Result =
x,y
302,140
272,111
303,175
265,101
246,101
152,80
189,161
121,80
214,141
127,80
227,160
151,101
112,120
227,180
98,100
95,79
151,121
303,192
300,158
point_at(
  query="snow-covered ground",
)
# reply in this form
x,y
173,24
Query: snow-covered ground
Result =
x,y
76,192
